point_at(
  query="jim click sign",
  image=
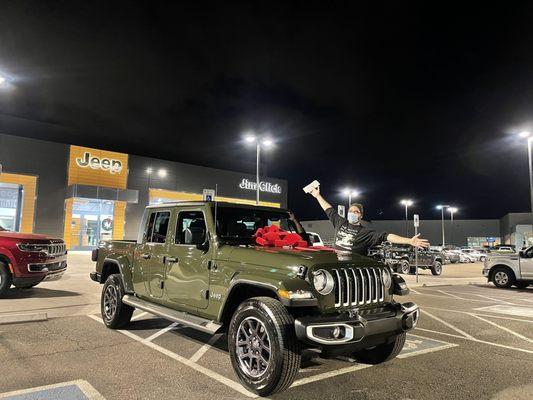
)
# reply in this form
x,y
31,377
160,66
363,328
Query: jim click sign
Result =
x,y
263,186
105,164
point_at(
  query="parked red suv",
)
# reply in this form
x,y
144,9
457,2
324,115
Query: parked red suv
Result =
x,y
27,259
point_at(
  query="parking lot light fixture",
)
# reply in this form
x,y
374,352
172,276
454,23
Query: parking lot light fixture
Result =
x,y
406,203
3,80
267,142
351,193
527,135
452,211
441,207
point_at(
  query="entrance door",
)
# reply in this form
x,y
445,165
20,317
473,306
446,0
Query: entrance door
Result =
x,y
92,221
187,280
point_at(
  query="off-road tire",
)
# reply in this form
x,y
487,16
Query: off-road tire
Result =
x,y
115,313
499,280
436,268
381,353
285,352
5,278
405,268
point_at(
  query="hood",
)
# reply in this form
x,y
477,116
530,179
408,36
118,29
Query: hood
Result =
x,y
280,257
25,236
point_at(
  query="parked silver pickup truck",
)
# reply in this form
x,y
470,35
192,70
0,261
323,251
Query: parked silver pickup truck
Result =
x,y
506,270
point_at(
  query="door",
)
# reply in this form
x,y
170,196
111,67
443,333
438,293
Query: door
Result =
x,y
187,276
526,264
150,255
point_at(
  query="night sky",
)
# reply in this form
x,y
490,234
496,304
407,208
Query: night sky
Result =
x,y
398,100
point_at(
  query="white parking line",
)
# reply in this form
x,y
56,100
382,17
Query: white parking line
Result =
x,y
456,329
161,332
449,294
414,291
518,335
477,340
503,309
481,315
495,299
200,353
447,297
197,367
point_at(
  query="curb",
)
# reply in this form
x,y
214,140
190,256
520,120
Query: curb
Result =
x,y
21,318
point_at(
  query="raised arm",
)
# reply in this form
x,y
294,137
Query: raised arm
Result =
x,y
323,203
415,241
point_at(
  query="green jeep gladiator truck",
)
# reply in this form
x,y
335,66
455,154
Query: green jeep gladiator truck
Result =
x,y
198,264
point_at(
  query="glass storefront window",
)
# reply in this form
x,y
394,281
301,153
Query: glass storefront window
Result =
x,y
92,221
11,196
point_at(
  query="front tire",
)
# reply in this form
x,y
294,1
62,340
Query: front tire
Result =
x,y
263,347
436,268
383,352
5,278
405,268
503,278
115,313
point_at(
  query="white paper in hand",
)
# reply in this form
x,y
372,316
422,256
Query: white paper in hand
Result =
x,y
313,185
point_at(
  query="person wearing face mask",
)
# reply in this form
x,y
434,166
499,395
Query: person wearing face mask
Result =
x,y
352,234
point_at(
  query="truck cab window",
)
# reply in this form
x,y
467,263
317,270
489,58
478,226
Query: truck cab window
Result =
x,y
191,228
158,227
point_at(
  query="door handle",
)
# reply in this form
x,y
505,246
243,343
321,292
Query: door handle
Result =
x,y
146,256
171,259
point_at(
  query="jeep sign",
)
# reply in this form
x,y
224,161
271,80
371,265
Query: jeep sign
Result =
x,y
106,164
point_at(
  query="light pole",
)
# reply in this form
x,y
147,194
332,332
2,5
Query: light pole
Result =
x,y
265,142
441,207
350,193
2,80
406,203
452,211
527,135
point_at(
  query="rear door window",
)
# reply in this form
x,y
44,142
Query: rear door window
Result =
x,y
158,227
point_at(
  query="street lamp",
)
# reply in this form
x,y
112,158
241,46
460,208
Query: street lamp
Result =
x,y
452,211
406,203
266,142
527,135
441,207
3,80
350,193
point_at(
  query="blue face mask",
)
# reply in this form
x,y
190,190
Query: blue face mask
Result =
x,y
353,218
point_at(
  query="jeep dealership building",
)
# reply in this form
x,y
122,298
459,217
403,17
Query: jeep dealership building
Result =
x,y
84,195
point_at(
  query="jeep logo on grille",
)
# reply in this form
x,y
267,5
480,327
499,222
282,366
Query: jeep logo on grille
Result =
x,y
93,162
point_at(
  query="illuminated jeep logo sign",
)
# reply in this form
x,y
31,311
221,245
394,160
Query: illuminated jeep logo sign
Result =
x,y
263,186
93,162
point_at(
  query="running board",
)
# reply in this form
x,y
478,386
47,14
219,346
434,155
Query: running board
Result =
x,y
180,317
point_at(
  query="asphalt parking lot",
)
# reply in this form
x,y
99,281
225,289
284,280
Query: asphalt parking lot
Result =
x,y
473,342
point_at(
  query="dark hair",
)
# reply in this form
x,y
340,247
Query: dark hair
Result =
x,y
359,206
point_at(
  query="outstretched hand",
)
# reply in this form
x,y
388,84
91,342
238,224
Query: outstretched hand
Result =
x,y
315,192
418,242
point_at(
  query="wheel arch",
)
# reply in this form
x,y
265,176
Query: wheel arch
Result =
x,y
504,266
240,291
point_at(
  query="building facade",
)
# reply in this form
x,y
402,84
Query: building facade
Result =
x,y
85,195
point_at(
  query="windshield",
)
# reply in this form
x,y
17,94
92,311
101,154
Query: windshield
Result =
x,y
238,225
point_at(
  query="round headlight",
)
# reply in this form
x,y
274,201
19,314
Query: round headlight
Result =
x,y
323,281
387,278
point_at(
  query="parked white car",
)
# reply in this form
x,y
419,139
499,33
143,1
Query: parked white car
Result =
x,y
464,257
315,239
477,255
506,270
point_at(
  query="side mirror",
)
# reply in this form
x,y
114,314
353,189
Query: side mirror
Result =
x,y
522,254
204,246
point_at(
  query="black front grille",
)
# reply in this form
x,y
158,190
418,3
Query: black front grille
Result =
x,y
358,286
51,266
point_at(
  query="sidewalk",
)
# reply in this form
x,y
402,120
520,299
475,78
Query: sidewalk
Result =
x,y
452,274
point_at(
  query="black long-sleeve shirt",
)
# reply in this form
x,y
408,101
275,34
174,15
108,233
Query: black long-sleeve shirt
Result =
x,y
354,238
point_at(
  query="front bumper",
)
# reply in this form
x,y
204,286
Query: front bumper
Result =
x,y
357,331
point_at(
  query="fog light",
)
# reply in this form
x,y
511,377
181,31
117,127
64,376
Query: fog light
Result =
x,y
337,332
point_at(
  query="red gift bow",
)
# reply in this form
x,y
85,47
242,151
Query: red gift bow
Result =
x,y
272,236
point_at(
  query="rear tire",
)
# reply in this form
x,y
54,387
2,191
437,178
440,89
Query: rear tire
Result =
x,y
503,277
115,313
381,353
5,278
261,329
436,268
